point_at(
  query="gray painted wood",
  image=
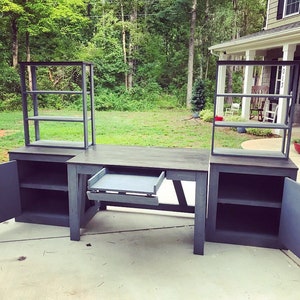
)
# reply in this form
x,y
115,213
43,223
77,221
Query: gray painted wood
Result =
x,y
289,232
144,157
245,196
9,191
139,182
44,186
123,198
178,164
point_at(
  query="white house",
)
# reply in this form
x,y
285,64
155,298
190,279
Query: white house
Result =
x,y
279,40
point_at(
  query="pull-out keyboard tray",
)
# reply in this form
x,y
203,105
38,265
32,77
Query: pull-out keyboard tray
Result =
x,y
129,186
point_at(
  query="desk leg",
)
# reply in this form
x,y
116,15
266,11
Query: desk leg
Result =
x,y
74,205
200,212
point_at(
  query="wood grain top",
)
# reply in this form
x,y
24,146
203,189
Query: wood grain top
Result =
x,y
145,157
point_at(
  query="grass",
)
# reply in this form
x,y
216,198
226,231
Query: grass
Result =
x,y
164,128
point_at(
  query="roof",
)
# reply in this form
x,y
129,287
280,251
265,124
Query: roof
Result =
x,y
262,40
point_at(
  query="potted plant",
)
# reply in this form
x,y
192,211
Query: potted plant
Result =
x,y
296,142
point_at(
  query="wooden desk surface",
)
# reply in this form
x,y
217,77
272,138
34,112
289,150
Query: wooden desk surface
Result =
x,y
145,157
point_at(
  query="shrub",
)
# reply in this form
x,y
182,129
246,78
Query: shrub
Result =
x,y
260,132
198,97
207,115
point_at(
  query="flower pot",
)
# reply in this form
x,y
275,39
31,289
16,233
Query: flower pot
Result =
x,y
218,118
196,115
241,129
297,147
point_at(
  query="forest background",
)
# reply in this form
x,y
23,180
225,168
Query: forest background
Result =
x,y
141,49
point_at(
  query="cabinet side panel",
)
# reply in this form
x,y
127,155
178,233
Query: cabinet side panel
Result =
x,y
9,191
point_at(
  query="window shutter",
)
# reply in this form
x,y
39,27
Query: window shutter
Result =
x,y
280,9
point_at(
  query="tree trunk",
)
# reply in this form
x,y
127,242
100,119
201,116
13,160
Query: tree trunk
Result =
x,y
124,45
15,42
28,58
133,18
191,56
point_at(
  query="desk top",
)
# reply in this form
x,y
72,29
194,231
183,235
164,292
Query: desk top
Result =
x,y
145,157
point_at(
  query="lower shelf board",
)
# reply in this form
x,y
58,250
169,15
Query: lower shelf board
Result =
x,y
248,219
244,238
57,216
44,218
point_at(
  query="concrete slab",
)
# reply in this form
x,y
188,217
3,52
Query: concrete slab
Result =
x,y
156,262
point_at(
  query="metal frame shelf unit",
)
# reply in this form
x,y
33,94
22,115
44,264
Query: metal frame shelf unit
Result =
x,y
285,127
32,96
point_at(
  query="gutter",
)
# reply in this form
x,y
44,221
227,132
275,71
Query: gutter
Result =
x,y
276,39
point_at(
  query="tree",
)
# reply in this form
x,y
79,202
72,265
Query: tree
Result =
x,y
148,46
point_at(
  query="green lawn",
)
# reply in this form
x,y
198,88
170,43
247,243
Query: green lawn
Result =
x,y
165,128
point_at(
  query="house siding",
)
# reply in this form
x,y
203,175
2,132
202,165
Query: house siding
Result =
x,y
272,21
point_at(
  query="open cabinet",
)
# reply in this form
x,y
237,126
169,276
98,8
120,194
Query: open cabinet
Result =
x,y
252,202
34,187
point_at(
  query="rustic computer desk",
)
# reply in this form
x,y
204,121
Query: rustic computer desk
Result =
x,y
178,165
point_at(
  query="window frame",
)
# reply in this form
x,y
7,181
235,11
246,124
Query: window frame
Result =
x,y
285,9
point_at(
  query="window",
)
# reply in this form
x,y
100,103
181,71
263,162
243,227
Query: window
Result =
x,y
291,7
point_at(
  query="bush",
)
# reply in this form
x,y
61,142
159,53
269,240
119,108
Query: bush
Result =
x,y
260,132
12,102
198,97
207,115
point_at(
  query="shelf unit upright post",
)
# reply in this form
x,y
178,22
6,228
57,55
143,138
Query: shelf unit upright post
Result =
x,y
245,197
28,73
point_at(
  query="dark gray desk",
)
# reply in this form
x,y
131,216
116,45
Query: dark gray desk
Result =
x,y
178,164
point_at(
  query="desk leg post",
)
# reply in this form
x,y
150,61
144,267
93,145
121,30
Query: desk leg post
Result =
x,y
200,212
74,205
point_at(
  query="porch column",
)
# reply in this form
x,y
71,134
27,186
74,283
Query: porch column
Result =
x,y
248,82
288,54
221,87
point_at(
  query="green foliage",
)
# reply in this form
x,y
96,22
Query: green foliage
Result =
x,y
235,118
207,115
260,132
10,97
134,100
296,140
154,35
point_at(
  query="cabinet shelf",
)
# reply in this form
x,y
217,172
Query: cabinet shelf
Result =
x,y
37,92
248,219
57,118
251,125
60,144
249,202
56,182
250,189
248,153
